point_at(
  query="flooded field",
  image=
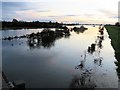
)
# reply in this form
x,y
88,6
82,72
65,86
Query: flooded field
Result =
x,y
65,62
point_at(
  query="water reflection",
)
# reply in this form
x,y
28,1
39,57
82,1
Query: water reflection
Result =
x,y
101,30
98,41
65,60
85,79
98,61
92,48
79,30
46,38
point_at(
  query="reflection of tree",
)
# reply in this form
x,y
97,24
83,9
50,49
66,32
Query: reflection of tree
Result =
x,y
85,80
34,43
100,38
98,61
66,35
79,30
47,41
92,48
101,30
46,38
98,42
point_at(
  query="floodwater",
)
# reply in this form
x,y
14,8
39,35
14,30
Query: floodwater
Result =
x,y
64,63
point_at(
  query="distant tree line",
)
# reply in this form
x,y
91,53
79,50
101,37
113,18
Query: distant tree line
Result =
x,y
34,24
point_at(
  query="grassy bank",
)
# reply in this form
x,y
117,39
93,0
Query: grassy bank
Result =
x,y
114,34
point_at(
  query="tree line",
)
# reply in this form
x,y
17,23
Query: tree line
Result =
x,y
34,24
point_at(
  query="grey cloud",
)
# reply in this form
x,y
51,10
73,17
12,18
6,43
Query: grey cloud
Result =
x,y
9,9
71,15
13,6
53,16
108,13
62,16
42,10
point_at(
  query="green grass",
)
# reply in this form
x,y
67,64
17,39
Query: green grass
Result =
x,y
114,34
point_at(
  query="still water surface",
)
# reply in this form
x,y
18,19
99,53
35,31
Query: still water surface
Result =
x,y
64,63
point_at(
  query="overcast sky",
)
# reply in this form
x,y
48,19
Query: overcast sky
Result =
x,y
69,11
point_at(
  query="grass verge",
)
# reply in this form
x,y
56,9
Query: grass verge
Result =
x,y
114,35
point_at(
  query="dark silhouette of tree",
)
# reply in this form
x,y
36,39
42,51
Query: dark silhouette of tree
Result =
x,y
14,20
46,38
91,48
79,30
117,24
15,24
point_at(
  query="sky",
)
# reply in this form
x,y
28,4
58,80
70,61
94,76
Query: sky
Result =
x,y
67,11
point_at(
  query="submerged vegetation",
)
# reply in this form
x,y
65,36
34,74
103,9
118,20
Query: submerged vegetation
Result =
x,y
84,80
78,30
114,34
45,38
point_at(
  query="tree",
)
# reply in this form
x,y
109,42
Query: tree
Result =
x,y
15,20
117,24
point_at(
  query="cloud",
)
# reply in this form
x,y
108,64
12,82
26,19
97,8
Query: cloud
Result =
x,y
22,10
71,15
7,6
9,9
53,16
62,11
59,16
109,14
42,10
